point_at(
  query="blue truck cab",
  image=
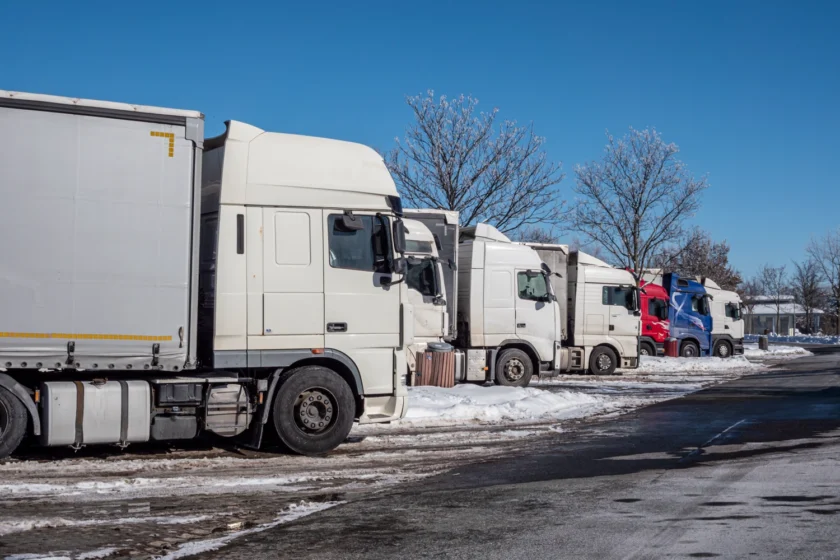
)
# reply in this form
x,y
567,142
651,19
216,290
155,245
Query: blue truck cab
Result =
x,y
690,315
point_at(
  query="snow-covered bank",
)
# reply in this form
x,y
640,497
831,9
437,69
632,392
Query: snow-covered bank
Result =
x,y
774,352
653,364
434,406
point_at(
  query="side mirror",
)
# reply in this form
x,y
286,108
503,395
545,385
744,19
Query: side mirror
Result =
x,y
400,265
439,300
399,237
349,222
637,313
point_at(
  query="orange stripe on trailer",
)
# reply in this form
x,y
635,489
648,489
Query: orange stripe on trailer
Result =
x,y
87,336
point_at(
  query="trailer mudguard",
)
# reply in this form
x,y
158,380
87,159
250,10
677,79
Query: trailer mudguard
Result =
x,y
23,395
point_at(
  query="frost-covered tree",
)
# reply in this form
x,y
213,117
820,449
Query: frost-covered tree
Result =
x,y
774,282
636,199
825,251
807,289
699,255
454,157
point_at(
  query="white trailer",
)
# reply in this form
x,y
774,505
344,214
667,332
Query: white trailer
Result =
x,y
727,323
155,285
516,315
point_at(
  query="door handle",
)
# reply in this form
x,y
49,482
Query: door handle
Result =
x,y
520,325
336,327
612,327
648,327
726,326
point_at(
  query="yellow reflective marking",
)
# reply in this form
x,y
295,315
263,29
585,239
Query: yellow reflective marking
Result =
x,y
86,336
170,136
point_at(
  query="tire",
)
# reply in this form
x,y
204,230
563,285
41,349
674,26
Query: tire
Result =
x,y
325,423
602,361
723,350
14,422
690,349
647,349
514,368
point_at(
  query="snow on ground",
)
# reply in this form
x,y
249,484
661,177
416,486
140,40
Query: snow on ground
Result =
x,y
293,513
775,352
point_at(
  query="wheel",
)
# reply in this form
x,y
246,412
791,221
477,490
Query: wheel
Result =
x,y
602,361
723,350
689,349
514,368
313,410
647,349
13,422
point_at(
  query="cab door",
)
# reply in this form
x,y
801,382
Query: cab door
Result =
x,y
535,312
622,306
361,307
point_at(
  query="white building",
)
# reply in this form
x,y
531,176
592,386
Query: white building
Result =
x,y
762,312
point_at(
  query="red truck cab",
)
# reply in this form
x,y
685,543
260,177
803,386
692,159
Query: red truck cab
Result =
x,y
655,325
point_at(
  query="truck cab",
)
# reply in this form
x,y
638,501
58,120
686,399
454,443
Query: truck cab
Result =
x,y
690,315
727,324
426,289
655,325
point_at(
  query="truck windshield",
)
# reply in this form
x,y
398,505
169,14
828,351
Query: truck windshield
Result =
x,y
421,276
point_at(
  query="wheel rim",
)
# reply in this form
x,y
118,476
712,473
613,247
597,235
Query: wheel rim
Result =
x,y
4,419
514,369
723,351
689,351
316,410
603,362
644,351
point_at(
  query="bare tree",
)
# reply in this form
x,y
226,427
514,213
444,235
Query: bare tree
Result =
x,y
807,289
749,291
455,158
699,255
774,281
535,234
826,253
636,199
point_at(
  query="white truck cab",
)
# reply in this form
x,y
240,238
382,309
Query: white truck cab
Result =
x,y
727,323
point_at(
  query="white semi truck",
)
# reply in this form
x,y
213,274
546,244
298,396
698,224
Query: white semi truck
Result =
x,y
155,285
518,309
727,323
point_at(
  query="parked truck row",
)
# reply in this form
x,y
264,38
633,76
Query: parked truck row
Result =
x,y
703,319
157,285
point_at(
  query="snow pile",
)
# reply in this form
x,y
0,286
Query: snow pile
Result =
x,y
472,403
653,364
785,352
799,339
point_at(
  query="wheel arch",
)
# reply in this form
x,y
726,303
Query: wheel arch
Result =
x,y
333,360
22,394
526,347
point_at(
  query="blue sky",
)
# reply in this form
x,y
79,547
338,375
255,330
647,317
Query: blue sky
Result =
x,y
749,90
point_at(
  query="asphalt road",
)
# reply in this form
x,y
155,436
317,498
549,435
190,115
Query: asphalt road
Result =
x,y
749,468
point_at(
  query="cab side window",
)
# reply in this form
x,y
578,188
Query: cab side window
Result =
x,y
618,296
421,277
532,286
362,247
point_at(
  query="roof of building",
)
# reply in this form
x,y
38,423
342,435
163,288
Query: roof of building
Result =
x,y
784,309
